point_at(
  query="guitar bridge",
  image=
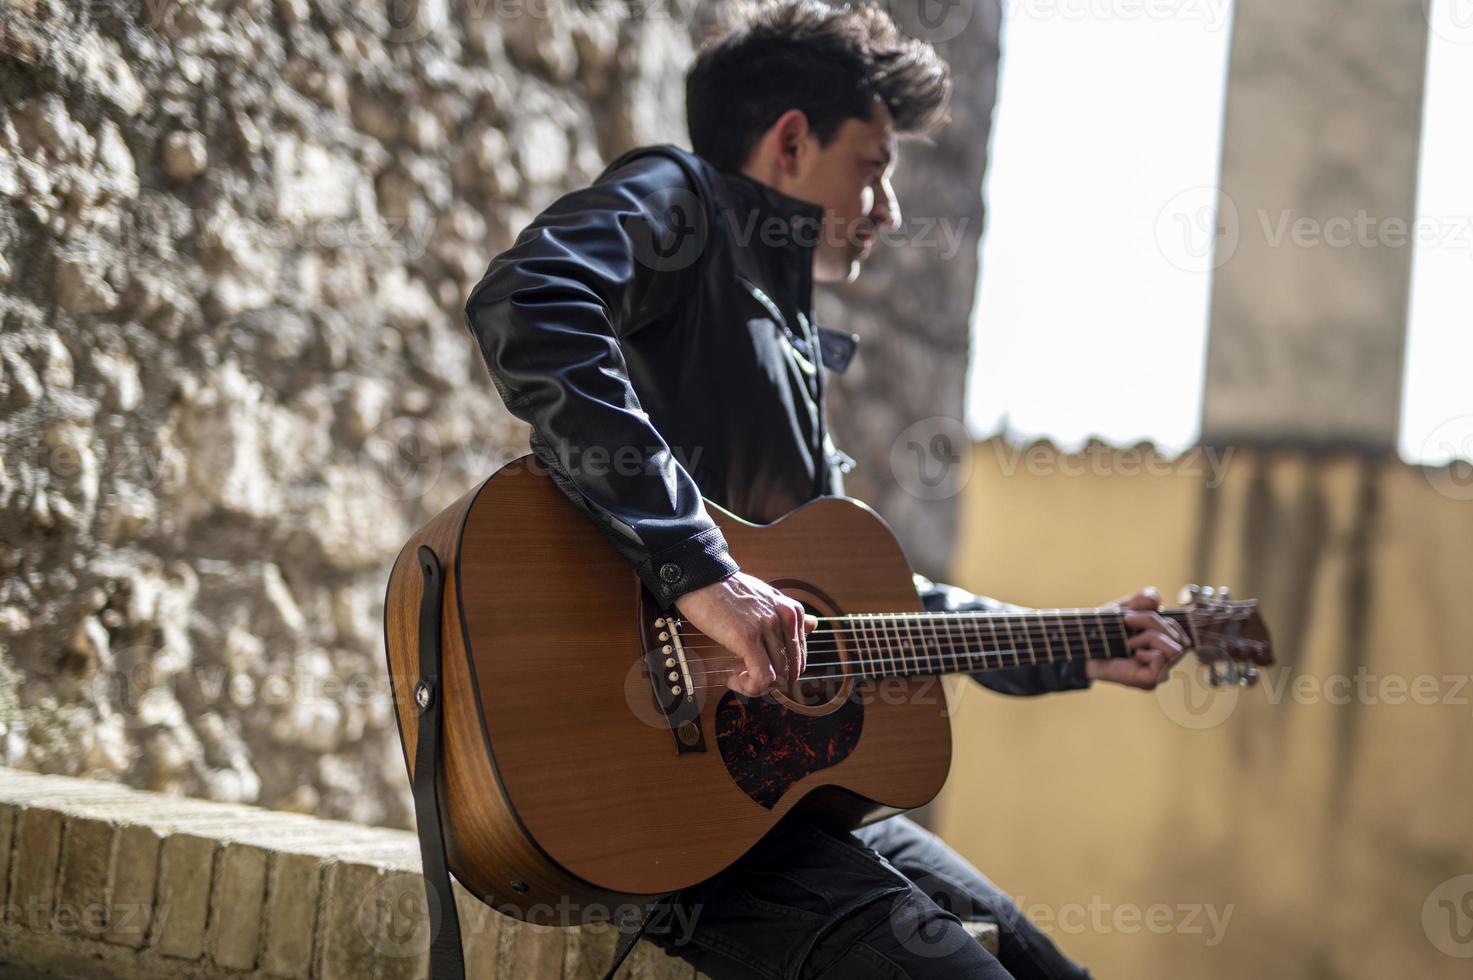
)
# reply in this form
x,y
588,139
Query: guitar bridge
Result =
x,y
672,681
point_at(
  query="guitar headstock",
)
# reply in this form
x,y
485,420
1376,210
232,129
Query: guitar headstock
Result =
x,y
1230,635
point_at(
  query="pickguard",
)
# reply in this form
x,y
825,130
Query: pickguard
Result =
x,y
768,748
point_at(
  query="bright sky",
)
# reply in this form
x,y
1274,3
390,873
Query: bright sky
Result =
x,y
1437,388
1095,265
1092,312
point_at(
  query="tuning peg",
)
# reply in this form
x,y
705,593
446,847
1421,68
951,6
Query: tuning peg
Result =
x,y
1213,677
1188,594
1222,592
1248,677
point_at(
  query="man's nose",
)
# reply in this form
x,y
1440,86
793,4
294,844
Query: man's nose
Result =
x,y
886,212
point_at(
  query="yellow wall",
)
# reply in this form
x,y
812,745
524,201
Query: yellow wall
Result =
x,y
1325,827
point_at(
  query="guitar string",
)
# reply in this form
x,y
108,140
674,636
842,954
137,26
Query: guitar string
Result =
x,y
886,633
878,653
1041,634
707,671
929,660
883,624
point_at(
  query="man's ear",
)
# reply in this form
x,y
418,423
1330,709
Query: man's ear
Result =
x,y
790,139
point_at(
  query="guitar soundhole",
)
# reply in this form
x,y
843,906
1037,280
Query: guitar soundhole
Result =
x,y
825,673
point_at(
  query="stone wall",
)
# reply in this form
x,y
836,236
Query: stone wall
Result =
x,y
237,240
237,237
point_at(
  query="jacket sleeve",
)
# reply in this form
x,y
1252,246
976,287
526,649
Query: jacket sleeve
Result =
x,y
1025,681
550,315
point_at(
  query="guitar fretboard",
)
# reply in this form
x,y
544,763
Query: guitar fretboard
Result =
x,y
912,644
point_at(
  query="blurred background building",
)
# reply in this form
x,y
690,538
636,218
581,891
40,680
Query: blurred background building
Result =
x,y
1220,335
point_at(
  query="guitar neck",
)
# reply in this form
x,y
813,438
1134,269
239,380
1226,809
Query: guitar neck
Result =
x,y
916,644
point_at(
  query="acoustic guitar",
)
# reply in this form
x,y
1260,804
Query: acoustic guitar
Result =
x,y
592,752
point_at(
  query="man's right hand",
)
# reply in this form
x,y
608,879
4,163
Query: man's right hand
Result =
x,y
757,623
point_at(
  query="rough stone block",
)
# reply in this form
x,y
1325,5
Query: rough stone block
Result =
x,y
237,906
350,924
33,869
8,813
588,951
134,885
291,914
84,900
480,933
186,866
529,951
404,932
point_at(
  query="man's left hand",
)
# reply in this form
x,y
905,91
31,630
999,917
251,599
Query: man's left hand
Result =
x,y
1157,646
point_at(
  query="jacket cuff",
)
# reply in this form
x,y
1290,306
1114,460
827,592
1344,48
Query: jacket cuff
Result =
x,y
1073,677
696,562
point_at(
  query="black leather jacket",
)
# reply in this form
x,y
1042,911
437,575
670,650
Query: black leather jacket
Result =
x,y
656,331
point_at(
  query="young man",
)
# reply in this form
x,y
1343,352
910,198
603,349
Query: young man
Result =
x,y
663,316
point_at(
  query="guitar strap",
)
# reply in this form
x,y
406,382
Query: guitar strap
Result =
x,y
447,960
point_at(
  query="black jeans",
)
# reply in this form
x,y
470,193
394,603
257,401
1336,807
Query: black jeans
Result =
x,y
883,903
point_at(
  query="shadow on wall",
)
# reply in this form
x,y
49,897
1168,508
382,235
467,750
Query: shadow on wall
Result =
x,y
1315,825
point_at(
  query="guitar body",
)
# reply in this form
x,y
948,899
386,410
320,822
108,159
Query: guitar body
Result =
x,y
564,781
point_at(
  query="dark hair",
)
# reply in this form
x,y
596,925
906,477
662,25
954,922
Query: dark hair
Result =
x,y
829,61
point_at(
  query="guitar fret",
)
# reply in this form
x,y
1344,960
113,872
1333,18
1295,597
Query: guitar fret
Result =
x,y
941,627
948,642
1012,643
1043,629
960,649
1064,636
862,646
986,620
1117,621
877,626
1098,633
877,655
913,633
893,639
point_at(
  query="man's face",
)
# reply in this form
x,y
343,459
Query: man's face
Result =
x,y
850,178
